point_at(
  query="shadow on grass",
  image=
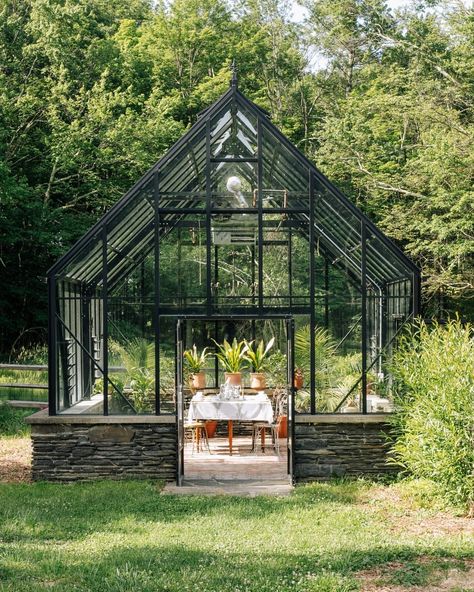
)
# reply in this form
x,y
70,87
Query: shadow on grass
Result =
x,y
43,511
177,568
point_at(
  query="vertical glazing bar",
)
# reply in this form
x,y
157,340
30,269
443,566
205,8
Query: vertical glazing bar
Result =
x,y
363,235
326,293
260,215
156,304
312,322
105,318
216,363
53,394
416,294
208,218
290,264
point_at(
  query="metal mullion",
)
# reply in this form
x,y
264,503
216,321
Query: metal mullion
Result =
x,y
260,214
311,241
156,310
364,317
326,293
208,217
105,318
53,395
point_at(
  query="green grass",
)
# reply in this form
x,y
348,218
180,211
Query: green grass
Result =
x,y
12,421
125,536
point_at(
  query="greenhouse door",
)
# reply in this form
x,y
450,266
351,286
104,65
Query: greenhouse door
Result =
x,y
290,330
179,403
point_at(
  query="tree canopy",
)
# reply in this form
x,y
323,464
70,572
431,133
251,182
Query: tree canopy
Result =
x,y
93,92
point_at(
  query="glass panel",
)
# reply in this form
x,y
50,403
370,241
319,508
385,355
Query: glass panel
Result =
x,y
131,347
285,179
167,335
235,272
182,179
233,185
79,350
234,133
183,263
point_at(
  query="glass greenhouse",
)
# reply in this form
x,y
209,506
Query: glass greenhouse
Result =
x,y
232,234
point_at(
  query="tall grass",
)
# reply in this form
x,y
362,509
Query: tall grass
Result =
x,y
12,421
434,382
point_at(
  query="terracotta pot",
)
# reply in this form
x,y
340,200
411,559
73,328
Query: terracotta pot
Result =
x,y
282,426
234,378
298,380
211,427
257,381
198,380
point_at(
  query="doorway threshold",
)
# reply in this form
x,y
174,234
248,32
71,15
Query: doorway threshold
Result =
x,y
235,487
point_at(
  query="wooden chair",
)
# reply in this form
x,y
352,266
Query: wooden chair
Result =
x,y
198,435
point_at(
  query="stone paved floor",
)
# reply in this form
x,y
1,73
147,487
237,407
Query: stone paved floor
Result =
x,y
243,473
243,464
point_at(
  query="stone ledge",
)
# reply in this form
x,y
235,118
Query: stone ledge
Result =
x,y
348,418
42,417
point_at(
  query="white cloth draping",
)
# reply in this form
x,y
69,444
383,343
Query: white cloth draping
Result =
x,y
247,409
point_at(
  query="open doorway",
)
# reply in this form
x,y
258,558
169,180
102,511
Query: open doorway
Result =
x,y
235,427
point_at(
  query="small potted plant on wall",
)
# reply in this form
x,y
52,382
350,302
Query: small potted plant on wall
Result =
x,y
257,357
195,363
232,358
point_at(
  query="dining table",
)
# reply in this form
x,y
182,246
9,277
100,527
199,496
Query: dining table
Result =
x,y
246,408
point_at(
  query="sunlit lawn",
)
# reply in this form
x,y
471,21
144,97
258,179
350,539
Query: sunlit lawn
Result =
x,y
125,536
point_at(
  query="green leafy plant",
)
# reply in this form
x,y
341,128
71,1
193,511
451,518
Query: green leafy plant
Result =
x,y
194,360
257,356
232,357
142,384
137,353
433,374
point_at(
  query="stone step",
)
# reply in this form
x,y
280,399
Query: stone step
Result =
x,y
238,487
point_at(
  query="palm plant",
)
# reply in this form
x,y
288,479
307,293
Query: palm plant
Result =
x,y
195,361
257,355
232,357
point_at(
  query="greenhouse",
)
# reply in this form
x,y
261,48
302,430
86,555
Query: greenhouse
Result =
x,y
233,239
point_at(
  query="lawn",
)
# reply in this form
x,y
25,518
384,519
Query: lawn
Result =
x,y
128,536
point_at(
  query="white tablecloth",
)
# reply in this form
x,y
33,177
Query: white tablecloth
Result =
x,y
247,409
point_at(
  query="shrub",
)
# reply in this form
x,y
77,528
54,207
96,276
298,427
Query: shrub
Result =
x,y
433,370
12,421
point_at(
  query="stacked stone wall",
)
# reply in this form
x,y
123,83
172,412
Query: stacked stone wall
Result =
x,y
325,450
85,452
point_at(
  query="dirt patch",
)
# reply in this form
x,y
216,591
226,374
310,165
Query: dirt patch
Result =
x,y
424,575
15,460
404,517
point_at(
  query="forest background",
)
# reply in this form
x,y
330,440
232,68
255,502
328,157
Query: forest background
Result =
x,y
93,92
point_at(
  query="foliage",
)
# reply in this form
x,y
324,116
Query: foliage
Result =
x,y
129,537
196,362
258,356
137,353
232,357
142,383
12,421
92,93
335,374
277,368
434,381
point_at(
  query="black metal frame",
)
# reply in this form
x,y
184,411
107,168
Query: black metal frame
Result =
x,y
181,193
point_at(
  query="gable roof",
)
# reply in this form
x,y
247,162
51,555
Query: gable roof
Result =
x,y
128,227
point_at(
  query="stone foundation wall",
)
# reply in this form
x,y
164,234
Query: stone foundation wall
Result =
x,y
340,447
87,451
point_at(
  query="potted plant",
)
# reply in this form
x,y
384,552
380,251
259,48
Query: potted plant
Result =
x,y
298,379
232,358
195,363
256,356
